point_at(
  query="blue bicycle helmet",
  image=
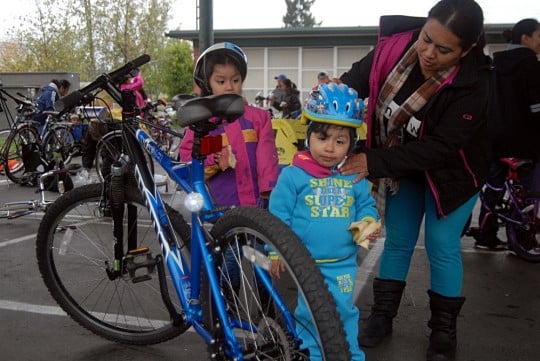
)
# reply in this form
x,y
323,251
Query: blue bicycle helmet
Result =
x,y
204,67
335,104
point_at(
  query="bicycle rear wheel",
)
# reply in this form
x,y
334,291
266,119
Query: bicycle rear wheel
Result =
x,y
523,238
58,143
24,134
245,235
74,250
4,134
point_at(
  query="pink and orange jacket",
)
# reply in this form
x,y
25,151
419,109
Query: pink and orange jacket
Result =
x,y
252,142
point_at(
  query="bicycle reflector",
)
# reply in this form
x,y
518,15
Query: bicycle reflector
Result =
x,y
194,201
211,144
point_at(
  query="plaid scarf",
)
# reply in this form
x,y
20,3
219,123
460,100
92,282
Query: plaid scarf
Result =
x,y
399,118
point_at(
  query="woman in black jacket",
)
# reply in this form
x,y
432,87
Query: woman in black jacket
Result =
x,y
514,119
427,151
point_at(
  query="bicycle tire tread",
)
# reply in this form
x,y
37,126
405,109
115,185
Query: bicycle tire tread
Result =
x,y
308,274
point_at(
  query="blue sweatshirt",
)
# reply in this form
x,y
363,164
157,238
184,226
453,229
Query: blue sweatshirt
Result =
x,y
319,204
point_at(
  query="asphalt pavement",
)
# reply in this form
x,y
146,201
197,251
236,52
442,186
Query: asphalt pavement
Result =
x,y
500,321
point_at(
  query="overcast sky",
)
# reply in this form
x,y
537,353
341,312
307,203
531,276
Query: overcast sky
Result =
x,y
269,13
245,14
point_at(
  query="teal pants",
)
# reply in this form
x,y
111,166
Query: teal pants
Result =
x,y
340,278
404,214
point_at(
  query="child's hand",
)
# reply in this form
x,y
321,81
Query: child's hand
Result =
x,y
364,231
373,236
277,268
225,159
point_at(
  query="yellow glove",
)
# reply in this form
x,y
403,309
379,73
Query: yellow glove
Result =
x,y
361,230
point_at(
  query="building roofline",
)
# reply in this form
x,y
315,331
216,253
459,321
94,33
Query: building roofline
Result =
x,y
314,36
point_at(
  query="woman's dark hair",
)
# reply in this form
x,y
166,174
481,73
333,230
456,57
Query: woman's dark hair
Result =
x,y
61,83
322,128
464,18
288,83
522,27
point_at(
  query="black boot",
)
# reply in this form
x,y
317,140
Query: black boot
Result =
x,y
387,296
443,340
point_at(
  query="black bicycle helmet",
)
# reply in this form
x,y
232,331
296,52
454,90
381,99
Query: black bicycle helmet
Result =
x,y
203,67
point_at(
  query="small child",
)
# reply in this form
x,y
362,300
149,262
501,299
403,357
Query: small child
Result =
x,y
331,214
246,169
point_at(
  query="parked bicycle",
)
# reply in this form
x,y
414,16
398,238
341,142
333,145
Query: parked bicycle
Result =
x,y
25,109
516,210
129,268
18,209
55,139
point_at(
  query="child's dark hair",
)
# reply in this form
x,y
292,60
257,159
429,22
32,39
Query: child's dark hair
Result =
x,y
522,27
322,128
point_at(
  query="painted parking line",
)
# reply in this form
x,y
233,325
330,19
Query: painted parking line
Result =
x,y
28,307
18,240
57,311
367,266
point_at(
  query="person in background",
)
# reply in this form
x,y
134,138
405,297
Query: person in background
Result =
x,y
326,209
290,105
136,83
48,95
276,95
322,78
514,120
427,149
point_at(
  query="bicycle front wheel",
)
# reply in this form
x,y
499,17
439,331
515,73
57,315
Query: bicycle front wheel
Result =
x,y
75,255
109,149
290,318
523,237
13,148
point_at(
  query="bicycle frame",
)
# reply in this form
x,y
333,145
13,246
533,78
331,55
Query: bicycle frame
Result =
x,y
509,195
190,177
232,303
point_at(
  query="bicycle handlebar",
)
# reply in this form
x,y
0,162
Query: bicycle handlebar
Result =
x,y
116,76
25,101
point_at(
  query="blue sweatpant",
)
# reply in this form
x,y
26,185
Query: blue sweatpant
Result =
x,y
340,278
403,218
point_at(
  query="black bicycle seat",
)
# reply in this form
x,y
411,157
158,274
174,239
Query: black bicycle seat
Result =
x,y
225,106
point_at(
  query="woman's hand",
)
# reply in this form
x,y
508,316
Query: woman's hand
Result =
x,y
356,164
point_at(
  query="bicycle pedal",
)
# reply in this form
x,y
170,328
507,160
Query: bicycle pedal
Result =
x,y
141,278
139,261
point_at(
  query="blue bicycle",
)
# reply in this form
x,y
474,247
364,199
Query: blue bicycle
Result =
x,y
128,267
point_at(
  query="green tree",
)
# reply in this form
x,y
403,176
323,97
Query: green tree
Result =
x,y
175,64
45,43
95,36
299,14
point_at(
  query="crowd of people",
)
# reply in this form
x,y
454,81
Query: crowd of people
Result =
x,y
441,112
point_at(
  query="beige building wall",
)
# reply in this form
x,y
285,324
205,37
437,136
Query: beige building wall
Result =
x,y
301,65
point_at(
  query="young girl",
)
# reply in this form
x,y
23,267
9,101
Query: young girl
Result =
x,y
323,207
246,170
